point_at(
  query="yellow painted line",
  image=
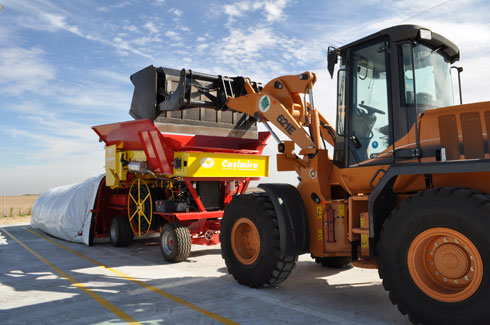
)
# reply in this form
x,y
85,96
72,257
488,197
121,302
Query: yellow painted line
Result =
x,y
118,312
141,283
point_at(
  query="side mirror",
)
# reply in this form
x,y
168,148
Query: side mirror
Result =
x,y
332,59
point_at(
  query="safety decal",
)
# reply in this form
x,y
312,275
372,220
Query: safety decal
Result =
x,y
364,240
207,162
264,103
341,210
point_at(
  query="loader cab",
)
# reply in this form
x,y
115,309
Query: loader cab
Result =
x,y
383,82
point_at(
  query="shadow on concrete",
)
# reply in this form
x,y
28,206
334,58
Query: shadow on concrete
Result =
x,y
308,295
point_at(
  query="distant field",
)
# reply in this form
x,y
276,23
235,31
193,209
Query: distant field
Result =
x,y
17,205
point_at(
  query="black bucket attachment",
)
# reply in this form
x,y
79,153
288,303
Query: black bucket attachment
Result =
x,y
190,102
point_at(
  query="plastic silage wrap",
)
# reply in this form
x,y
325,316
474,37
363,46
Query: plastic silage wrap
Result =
x,y
64,212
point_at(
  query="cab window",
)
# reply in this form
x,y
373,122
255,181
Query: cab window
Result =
x,y
369,135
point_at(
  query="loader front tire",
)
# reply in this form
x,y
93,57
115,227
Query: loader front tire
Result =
x,y
434,256
120,232
175,242
250,243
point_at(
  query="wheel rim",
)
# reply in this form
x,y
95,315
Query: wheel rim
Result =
x,y
167,243
140,207
245,241
445,264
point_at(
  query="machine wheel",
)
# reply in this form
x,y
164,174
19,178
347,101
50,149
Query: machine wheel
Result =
x,y
250,242
175,242
140,207
434,257
91,235
120,232
337,262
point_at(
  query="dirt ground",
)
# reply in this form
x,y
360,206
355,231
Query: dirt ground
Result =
x,y
12,206
14,220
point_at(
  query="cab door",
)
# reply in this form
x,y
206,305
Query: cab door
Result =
x,y
369,127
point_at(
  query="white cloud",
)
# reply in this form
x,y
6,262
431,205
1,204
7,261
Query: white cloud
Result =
x,y
130,28
272,10
237,9
96,99
59,22
110,75
176,12
151,27
24,70
55,150
116,6
173,35
37,17
275,10
123,46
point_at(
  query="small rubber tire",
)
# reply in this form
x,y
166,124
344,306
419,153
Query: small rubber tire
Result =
x,y
450,210
266,267
175,242
336,262
120,232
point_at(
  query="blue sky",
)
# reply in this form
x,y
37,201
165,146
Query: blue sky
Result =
x,y
65,65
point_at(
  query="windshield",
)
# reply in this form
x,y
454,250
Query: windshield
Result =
x,y
431,73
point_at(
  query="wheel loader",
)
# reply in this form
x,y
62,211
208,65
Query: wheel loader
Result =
x,y
406,190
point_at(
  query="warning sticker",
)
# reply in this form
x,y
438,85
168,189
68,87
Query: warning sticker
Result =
x,y
320,234
319,213
341,210
364,240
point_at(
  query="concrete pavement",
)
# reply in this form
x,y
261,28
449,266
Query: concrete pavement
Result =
x,y
118,285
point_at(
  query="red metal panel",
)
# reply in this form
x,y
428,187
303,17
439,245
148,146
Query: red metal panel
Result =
x,y
242,179
125,133
220,144
183,216
163,152
159,154
118,199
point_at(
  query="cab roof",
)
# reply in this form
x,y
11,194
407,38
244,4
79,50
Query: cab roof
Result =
x,y
412,33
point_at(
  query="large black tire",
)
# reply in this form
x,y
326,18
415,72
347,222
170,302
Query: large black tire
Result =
x,y
120,232
175,242
266,266
434,240
91,235
336,262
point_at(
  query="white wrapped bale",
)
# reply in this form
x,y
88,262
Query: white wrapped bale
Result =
x,y
64,212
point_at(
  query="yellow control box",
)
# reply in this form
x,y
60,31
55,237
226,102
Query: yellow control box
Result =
x,y
207,164
116,171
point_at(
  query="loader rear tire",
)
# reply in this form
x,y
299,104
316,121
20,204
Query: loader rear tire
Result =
x,y
250,243
336,262
175,242
434,258
120,232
